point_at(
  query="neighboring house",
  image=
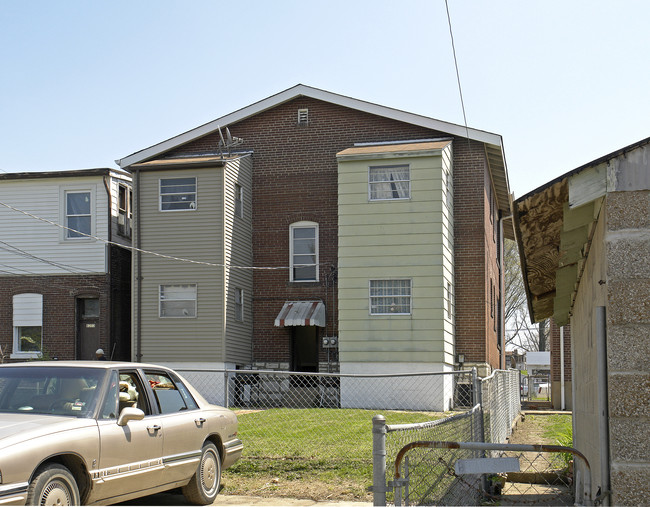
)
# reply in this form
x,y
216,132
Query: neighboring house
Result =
x,y
584,240
561,384
515,360
64,290
376,237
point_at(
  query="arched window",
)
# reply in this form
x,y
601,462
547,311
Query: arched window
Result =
x,y
303,257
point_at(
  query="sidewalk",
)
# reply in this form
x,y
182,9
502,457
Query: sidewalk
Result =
x,y
259,501
162,499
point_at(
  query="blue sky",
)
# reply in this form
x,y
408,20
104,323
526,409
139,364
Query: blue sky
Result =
x,y
84,83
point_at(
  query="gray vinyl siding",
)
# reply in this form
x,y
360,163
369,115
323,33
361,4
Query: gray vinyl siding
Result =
x,y
38,235
239,254
195,235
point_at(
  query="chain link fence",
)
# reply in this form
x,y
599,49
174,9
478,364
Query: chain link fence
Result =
x,y
259,389
516,474
322,416
422,477
501,404
276,409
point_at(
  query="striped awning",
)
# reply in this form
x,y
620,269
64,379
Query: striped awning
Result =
x,y
301,313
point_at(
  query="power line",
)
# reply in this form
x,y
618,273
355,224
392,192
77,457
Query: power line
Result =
x,y
134,249
460,89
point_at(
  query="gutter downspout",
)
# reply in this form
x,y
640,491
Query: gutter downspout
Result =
x,y
502,288
138,278
563,400
603,406
109,275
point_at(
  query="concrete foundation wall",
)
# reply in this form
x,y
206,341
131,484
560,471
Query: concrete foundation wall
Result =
x,y
433,392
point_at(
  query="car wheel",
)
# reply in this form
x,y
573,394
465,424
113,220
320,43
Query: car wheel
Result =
x,y
204,485
53,485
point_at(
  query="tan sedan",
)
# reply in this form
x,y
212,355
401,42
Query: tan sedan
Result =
x,y
97,433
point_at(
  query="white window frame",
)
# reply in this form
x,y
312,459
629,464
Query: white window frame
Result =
x,y
292,255
65,216
239,200
396,294
239,304
374,184
192,301
27,312
192,204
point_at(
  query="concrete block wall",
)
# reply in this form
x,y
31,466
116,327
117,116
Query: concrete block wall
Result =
x,y
628,344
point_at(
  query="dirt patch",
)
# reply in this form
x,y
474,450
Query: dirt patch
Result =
x,y
540,428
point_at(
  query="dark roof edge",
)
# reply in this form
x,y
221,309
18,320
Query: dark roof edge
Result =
x,y
72,173
593,163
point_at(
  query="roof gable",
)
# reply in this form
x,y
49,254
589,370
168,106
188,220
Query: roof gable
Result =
x,y
306,91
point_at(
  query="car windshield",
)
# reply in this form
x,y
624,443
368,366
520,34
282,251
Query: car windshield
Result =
x,y
49,390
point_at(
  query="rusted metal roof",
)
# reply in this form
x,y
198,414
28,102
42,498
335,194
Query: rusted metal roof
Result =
x,y
301,313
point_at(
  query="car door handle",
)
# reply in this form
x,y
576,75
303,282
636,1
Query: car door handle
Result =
x,y
200,420
155,427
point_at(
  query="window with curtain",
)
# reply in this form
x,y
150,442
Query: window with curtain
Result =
x,y
390,297
389,182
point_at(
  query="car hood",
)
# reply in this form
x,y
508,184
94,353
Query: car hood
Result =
x,y
16,428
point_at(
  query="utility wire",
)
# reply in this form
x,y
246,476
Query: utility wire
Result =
x,y
134,249
460,89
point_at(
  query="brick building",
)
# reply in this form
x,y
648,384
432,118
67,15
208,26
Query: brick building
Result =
x,y
292,204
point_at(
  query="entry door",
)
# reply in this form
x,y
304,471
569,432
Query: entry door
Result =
x,y
88,328
304,348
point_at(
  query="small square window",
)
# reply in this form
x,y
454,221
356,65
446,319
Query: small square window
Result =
x,y
390,297
178,301
177,194
389,182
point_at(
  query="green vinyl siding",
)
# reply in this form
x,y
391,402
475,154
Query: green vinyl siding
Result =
x,y
396,239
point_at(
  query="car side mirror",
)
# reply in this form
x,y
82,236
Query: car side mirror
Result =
x,y
129,414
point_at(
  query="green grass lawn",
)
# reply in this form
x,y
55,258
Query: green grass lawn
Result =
x,y
286,448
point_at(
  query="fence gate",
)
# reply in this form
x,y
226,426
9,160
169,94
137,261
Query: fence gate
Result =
x,y
458,473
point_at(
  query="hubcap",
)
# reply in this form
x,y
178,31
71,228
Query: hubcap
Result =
x,y
209,468
56,493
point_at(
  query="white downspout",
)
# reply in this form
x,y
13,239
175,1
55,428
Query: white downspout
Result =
x,y
563,402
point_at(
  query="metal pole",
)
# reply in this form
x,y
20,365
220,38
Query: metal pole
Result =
x,y
603,412
379,460
563,402
226,390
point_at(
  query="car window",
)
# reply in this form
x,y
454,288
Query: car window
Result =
x,y
171,396
50,390
109,407
131,392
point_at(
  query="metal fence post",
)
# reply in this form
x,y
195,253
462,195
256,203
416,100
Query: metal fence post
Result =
x,y
226,390
379,460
